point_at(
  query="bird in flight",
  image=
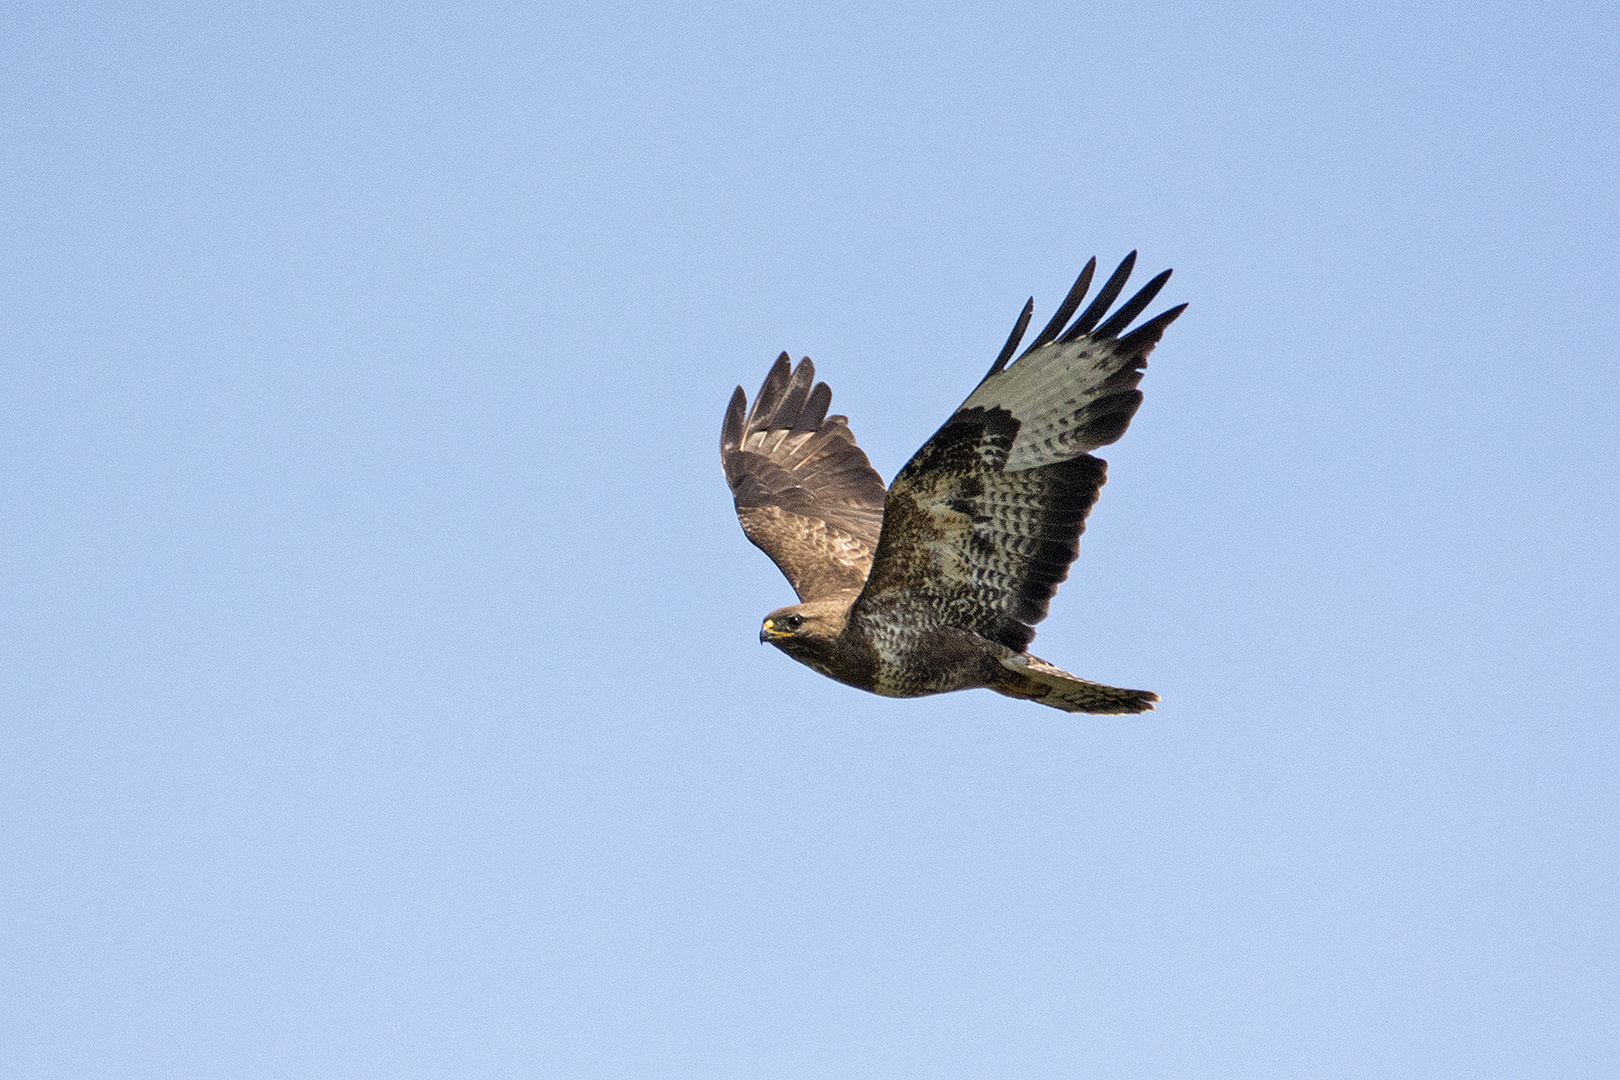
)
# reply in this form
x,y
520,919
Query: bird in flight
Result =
x,y
935,584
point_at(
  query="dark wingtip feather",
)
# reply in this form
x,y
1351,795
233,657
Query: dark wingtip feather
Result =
x,y
1105,299
732,429
1151,331
1077,293
1132,308
815,409
771,390
1013,339
786,414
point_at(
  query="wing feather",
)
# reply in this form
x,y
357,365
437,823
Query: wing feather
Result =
x,y
1060,319
804,491
982,524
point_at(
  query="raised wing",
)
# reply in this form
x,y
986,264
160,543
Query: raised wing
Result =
x,y
981,525
805,493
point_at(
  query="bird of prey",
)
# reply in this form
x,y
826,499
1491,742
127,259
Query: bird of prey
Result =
x,y
935,584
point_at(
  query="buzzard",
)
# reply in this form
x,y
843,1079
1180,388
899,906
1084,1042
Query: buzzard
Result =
x,y
935,584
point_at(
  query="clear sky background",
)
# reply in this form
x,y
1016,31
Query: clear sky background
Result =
x,y
379,685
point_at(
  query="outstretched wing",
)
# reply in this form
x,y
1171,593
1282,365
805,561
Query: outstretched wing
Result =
x,y
981,525
805,493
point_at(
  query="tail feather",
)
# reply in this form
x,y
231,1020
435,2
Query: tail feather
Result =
x,y
1034,679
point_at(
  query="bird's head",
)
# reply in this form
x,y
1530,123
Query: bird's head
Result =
x,y
806,631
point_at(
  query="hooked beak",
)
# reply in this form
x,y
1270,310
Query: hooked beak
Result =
x,y
769,631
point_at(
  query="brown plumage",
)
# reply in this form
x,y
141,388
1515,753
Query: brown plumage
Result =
x,y
935,584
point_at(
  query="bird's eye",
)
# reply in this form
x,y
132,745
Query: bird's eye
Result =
x,y
793,622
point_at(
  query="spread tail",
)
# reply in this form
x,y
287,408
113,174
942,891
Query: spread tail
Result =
x,y
1035,680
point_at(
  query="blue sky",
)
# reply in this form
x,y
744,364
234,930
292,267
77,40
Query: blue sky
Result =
x,y
379,686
